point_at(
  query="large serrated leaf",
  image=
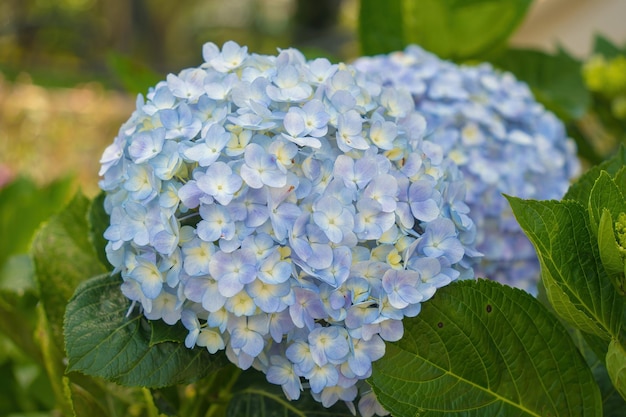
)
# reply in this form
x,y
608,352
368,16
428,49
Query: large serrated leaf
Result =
x,y
575,280
101,341
581,189
605,194
63,258
616,366
479,348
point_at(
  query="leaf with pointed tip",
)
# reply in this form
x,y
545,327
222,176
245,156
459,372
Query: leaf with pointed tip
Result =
x,y
620,179
605,47
102,341
572,273
479,348
605,195
581,189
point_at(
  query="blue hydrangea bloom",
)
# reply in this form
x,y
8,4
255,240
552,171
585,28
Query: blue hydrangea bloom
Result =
x,y
503,141
286,211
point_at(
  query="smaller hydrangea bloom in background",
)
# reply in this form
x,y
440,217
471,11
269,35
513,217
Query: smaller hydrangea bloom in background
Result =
x,y
287,212
501,138
607,77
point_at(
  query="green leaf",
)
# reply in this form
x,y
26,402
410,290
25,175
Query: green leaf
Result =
x,y
616,366
555,80
162,332
452,29
620,179
573,276
479,348
101,341
380,26
605,195
605,47
63,257
610,254
461,30
23,206
581,189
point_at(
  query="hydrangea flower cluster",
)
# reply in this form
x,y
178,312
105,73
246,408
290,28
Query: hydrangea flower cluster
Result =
x,y
287,212
501,138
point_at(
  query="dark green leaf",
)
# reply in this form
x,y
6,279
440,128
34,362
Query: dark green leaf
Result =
x,y
605,195
555,80
101,341
162,332
605,47
99,221
63,257
610,253
23,206
573,276
380,26
581,189
616,366
479,348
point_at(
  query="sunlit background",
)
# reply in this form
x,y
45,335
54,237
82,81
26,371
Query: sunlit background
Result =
x,y
70,69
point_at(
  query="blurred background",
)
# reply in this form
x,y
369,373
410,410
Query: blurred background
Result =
x,y
70,69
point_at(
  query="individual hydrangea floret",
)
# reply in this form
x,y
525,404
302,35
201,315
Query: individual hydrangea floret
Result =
x,y
501,138
287,212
